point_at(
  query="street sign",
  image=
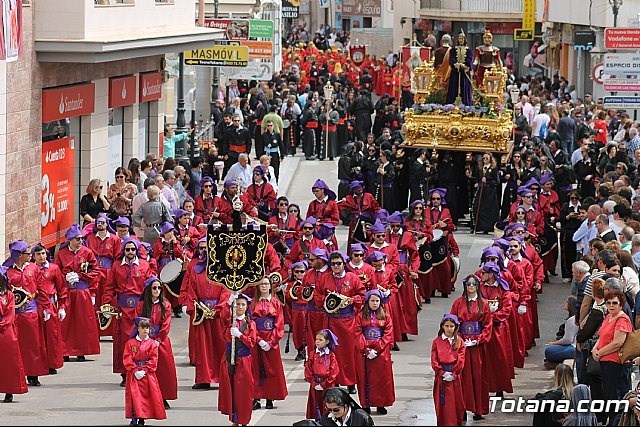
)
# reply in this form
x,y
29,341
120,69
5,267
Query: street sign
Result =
x,y
253,71
260,28
622,38
627,102
523,34
621,64
218,56
259,50
597,73
622,85
242,29
529,15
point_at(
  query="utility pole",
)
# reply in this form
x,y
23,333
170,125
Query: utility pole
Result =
x,y
215,80
615,5
180,119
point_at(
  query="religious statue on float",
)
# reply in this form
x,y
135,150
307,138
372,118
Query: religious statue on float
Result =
x,y
460,90
441,60
487,56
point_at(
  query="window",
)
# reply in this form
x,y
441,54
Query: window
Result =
x,y
367,22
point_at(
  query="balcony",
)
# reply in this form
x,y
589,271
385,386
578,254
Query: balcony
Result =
x,y
472,10
93,31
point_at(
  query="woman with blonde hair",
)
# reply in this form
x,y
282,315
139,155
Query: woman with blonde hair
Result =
x,y
563,386
121,193
93,203
154,213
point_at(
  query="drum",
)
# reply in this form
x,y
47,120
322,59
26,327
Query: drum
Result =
x,y
426,258
361,230
437,234
286,123
171,275
438,251
547,241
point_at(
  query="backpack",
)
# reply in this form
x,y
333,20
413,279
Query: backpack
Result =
x,y
544,131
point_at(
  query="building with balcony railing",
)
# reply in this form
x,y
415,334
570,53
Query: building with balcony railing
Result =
x,y
83,97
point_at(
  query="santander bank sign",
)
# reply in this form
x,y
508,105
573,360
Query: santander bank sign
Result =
x,y
68,101
150,87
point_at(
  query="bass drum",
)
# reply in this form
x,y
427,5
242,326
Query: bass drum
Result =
x,y
547,241
171,276
361,231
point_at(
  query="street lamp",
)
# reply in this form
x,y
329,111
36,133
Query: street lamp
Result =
x,y
180,119
615,5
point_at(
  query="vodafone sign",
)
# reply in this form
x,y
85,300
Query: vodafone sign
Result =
x,y
122,91
150,87
622,38
68,101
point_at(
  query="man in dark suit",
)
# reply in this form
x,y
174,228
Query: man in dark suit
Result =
x,y
604,232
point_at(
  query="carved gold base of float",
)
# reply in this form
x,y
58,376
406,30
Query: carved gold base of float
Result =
x,y
455,131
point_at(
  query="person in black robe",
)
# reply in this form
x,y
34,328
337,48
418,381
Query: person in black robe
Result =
x,y
448,178
362,108
380,108
309,123
572,214
418,180
513,178
486,206
369,167
385,179
346,171
329,138
401,185
273,147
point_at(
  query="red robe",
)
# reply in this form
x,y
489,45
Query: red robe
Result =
x,y
298,323
448,395
538,278
409,263
267,365
298,254
324,211
124,289
166,373
190,247
290,223
315,312
381,278
533,219
143,398
439,279
80,328
206,342
225,208
525,321
11,369
342,323
323,370
420,229
50,279
475,376
375,376
550,208
391,251
264,194
106,251
238,407
204,207
366,204
498,363
516,281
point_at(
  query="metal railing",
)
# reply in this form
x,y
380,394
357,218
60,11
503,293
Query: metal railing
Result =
x,y
484,6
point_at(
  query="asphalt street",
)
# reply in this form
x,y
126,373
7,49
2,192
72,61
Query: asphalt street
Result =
x,y
88,393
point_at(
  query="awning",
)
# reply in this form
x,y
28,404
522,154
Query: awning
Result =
x,y
98,51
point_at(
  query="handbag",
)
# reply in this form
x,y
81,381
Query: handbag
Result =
x,y
593,368
631,347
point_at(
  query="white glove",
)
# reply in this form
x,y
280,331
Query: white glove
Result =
x,y
62,314
235,332
522,309
72,277
47,315
448,376
232,298
318,387
107,315
372,354
93,299
139,374
157,343
184,309
386,293
264,345
470,343
493,306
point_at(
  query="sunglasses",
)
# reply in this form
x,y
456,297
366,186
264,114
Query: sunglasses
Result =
x,y
436,198
574,198
207,186
519,232
100,187
529,196
378,235
119,176
299,271
236,121
336,263
519,213
293,211
307,228
283,204
395,227
357,255
130,249
418,208
155,288
101,222
612,302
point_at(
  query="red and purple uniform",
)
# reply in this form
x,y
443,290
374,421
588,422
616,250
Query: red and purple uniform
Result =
x,y
321,369
298,313
525,322
124,289
287,222
325,210
269,381
233,398
159,332
475,324
80,328
51,281
143,398
382,278
262,195
375,376
11,369
224,205
448,395
315,312
303,247
181,233
342,322
409,263
204,207
358,205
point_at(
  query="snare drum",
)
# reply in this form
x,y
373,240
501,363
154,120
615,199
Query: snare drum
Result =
x,y
171,275
219,165
437,234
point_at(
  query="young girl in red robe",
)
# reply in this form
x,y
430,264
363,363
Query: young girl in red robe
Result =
x,y
158,310
374,339
268,315
321,371
236,381
11,369
476,326
143,398
447,361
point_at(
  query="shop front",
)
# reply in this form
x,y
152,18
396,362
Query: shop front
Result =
x,y
150,92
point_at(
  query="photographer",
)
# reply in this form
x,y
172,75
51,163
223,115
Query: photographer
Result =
x,y
343,410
